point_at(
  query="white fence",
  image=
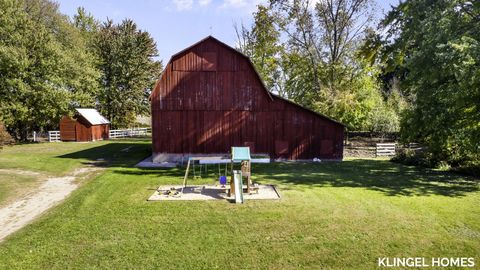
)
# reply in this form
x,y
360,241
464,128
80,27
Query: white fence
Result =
x,y
385,149
54,136
122,133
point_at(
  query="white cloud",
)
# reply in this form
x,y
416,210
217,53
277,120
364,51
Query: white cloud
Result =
x,y
243,5
234,3
182,5
249,5
204,2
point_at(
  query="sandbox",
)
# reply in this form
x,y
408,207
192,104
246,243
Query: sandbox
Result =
x,y
209,192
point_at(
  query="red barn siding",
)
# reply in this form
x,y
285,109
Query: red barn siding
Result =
x,y
67,129
100,132
210,98
83,130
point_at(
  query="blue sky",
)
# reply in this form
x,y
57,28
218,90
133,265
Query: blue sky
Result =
x,y
176,24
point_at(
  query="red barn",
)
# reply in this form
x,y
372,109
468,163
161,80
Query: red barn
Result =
x,y
210,98
86,125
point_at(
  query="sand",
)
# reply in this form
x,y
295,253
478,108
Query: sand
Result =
x,y
210,192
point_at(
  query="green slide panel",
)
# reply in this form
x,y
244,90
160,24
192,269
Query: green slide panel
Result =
x,y
240,154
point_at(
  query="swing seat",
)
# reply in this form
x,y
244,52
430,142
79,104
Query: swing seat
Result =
x,y
223,180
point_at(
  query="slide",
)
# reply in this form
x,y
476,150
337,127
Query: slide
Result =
x,y
237,182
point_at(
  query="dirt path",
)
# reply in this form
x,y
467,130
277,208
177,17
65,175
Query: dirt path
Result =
x,y
17,214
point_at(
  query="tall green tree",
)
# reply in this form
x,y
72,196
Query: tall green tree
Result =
x,y
129,69
88,27
437,43
262,45
85,21
45,67
313,48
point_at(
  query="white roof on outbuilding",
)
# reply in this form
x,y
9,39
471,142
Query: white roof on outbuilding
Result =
x,y
93,116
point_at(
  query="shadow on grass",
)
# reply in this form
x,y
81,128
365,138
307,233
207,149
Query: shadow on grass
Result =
x,y
113,154
380,175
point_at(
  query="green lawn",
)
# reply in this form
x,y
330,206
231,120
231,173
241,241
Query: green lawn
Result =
x,y
331,215
12,185
24,167
61,158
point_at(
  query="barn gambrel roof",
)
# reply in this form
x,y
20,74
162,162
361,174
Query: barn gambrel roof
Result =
x,y
272,96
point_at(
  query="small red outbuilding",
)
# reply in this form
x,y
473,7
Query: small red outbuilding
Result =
x,y
86,125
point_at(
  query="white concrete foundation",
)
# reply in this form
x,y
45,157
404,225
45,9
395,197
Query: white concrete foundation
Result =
x,y
183,158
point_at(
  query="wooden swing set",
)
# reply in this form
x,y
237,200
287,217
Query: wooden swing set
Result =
x,y
239,155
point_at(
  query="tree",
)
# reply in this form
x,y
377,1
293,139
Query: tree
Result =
x,y
85,21
45,66
261,44
318,65
88,27
437,43
50,65
129,70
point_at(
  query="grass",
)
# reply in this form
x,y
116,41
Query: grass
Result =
x,y
12,185
61,158
23,167
331,215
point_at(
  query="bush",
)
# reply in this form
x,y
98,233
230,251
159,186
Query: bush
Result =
x,y
5,138
415,158
426,159
471,168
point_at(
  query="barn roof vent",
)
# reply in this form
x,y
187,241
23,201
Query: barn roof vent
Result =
x,y
93,116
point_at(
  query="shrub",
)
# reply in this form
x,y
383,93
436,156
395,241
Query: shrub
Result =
x,y
471,168
5,138
425,158
416,158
